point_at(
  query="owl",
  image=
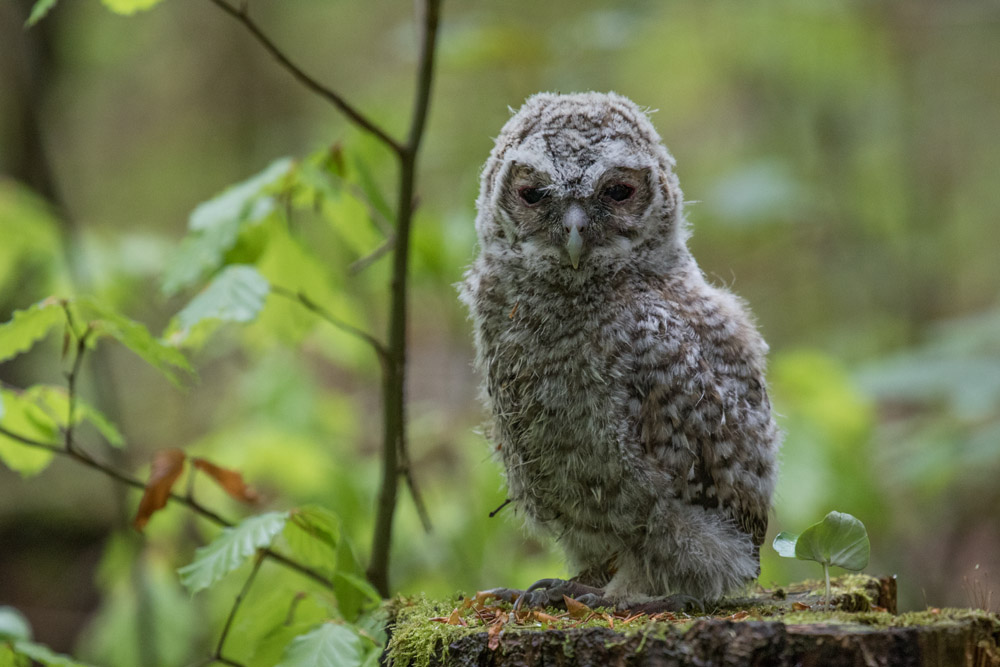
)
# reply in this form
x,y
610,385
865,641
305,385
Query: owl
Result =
x,y
627,395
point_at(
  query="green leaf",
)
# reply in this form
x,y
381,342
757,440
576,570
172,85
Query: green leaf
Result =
x,y
231,549
13,625
22,415
354,593
38,12
236,295
104,426
839,539
29,326
136,337
44,655
216,225
312,535
127,7
784,544
329,645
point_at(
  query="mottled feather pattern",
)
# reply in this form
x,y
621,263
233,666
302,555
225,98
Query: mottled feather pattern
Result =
x,y
627,395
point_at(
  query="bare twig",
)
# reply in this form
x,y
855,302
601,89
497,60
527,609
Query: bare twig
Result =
x,y
80,456
242,15
303,299
406,470
394,382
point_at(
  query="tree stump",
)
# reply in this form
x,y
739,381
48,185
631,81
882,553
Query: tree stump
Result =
x,y
779,627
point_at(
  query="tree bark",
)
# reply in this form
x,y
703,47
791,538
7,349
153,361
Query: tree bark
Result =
x,y
864,631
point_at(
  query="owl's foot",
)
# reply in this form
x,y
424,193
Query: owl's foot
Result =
x,y
550,592
677,602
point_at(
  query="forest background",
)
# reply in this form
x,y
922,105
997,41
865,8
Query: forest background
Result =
x,y
842,161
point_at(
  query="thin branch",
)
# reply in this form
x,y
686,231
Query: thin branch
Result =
x,y
303,299
242,15
406,470
394,419
372,257
236,604
71,377
82,457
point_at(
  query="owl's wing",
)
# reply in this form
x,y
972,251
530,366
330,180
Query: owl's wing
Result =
x,y
707,424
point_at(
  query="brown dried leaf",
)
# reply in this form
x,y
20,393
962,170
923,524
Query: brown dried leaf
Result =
x,y
167,466
494,636
542,617
800,606
740,615
576,608
610,620
482,597
455,619
230,481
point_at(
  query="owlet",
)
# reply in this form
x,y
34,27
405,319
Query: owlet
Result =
x,y
627,395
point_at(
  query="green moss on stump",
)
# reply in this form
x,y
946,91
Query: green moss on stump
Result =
x,y
859,605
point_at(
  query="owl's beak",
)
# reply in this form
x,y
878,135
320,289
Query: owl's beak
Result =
x,y
575,220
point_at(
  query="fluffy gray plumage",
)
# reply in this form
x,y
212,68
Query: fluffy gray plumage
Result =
x,y
627,395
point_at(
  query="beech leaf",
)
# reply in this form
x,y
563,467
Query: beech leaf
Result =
x,y
167,466
29,326
230,480
236,294
136,337
39,10
329,645
231,549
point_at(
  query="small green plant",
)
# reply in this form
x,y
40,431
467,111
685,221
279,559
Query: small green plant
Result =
x,y
839,539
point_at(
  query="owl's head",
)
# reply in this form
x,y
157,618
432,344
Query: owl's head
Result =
x,y
580,181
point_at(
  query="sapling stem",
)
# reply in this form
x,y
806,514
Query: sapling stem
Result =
x,y
826,574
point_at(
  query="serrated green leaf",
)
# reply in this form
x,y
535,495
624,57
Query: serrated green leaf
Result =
x,y
216,224
23,416
104,426
39,10
127,7
29,326
329,645
839,539
312,535
13,624
44,655
319,522
784,544
231,549
237,294
136,337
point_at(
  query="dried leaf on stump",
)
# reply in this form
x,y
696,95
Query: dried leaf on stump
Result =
x,y
494,636
167,466
576,608
230,481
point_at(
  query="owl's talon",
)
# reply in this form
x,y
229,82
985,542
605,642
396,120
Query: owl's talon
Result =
x,y
550,592
678,602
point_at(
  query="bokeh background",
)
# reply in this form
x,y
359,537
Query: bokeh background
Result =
x,y
841,161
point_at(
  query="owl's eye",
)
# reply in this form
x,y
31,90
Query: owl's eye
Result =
x,y
618,192
531,195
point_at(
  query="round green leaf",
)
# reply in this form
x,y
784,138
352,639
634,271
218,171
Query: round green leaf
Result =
x,y
784,544
839,539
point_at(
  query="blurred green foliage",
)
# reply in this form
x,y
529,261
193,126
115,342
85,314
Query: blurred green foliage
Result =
x,y
842,157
